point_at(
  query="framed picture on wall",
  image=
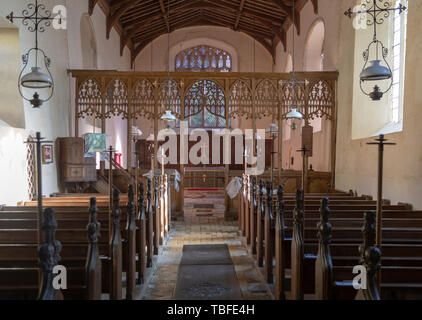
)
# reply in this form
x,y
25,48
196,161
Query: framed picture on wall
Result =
x,y
47,153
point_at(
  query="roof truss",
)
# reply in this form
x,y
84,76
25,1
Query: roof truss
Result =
x,y
141,21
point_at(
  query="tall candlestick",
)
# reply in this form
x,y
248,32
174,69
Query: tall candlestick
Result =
x,y
162,161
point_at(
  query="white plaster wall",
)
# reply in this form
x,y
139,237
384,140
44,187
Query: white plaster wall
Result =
x,y
55,117
11,106
328,13
357,162
51,119
108,58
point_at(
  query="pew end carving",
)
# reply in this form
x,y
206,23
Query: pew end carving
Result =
x,y
141,235
131,245
370,258
269,235
49,255
93,262
323,263
116,250
280,247
297,249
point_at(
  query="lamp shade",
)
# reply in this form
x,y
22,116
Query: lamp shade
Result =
x,y
294,114
150,137
136,131
375,72
36,79
168,116
272,129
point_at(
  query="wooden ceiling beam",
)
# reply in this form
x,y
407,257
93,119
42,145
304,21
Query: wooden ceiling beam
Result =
x,y
239,14
258,37
131,33
226,6
91,6
117,3
142,45
165,14
113,18
299,4
286,9
315,4
136,28
267,22
203,20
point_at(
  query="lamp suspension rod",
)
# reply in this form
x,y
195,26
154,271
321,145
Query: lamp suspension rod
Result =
x,y
293,60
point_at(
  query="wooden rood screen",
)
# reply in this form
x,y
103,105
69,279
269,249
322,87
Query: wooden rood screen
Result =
x,y
222,96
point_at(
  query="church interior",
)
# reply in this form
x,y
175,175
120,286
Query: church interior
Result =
x,y
210,150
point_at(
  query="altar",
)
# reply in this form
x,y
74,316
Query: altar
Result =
x,y
204,177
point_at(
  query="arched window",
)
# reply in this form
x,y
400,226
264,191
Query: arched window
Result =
x,y
398,51
203,58
205,105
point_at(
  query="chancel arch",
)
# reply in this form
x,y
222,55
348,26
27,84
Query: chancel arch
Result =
x,y
88,43
89,60
313,59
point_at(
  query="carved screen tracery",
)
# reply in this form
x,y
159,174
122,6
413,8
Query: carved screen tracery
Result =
x,y
169,98
142,99
149,95
116,99
321,100
89,99
203,58
288,92
205,105
240,102
266,100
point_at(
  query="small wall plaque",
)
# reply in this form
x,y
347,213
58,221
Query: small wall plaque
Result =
x,y
47,154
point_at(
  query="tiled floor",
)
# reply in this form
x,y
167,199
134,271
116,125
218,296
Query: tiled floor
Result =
x,y
203,224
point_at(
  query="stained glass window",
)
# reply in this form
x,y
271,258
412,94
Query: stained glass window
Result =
x,y
203,58
205,105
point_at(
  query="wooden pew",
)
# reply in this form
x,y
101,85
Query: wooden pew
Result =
x,y
349,212
279,240
297,249
130,248
71,232
260,225
269,229
141,235
253,216
84,274
68,215
402,275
